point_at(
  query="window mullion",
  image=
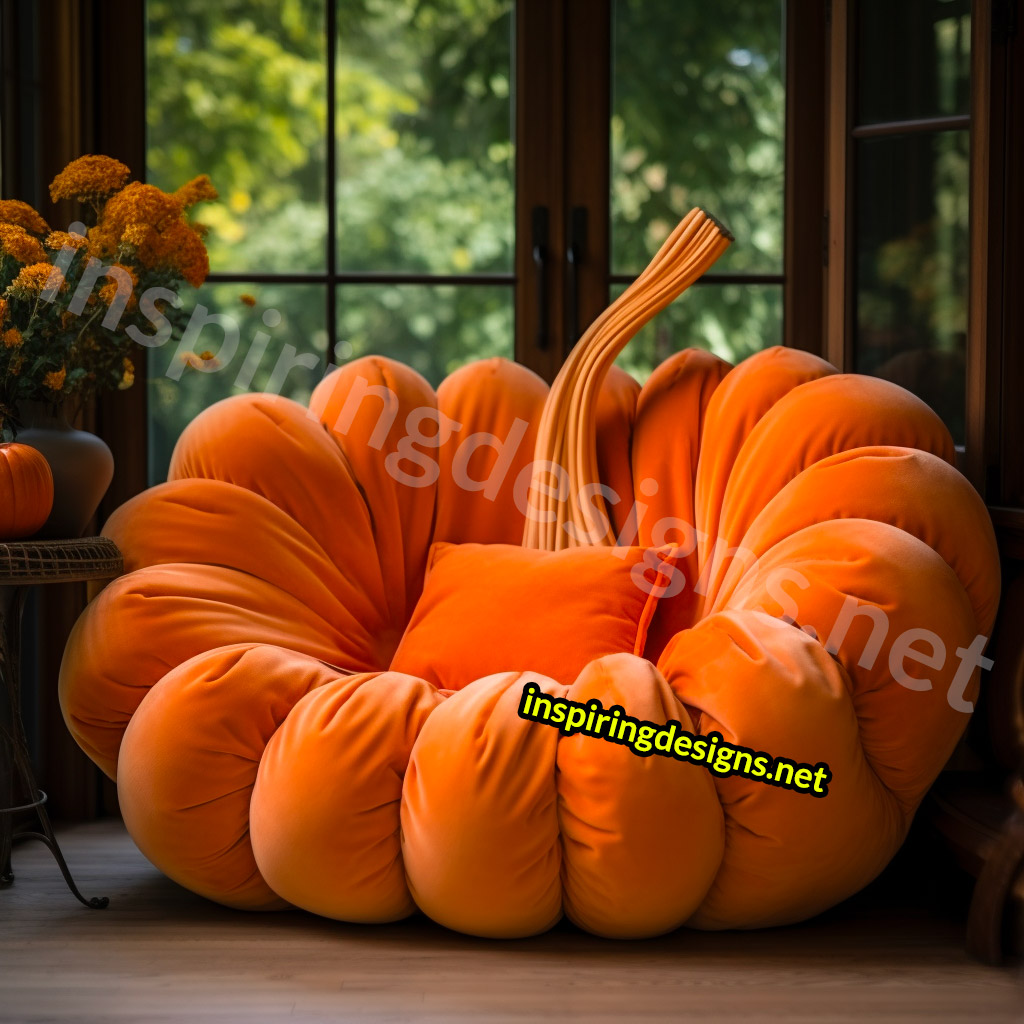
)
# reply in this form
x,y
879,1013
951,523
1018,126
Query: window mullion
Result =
x,y
588,154
804,243
540,174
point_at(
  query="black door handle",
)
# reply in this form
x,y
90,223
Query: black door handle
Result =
x,y
574,256
540,261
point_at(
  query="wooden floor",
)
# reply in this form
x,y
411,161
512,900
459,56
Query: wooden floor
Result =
x,y
160,954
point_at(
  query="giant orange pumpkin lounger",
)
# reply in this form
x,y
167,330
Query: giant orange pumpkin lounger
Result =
x,y
309,683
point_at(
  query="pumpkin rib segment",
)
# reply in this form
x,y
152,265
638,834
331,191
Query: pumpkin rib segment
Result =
x,y
172,613
870,483
485,397
195,521
346,745
786,854
272,447
627,824
402,512
234,698
811,422
479,813
614,420
671,414
911,731
744,397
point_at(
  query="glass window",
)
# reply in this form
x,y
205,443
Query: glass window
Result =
x,y
237,90
424,128
423,187
730,320
912,259
365,156
435,329
911,165
703,124
914,59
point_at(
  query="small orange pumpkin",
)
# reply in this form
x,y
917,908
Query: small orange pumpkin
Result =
x,y
26,491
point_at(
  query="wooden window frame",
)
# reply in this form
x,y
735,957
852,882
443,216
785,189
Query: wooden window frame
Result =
x,y
994,413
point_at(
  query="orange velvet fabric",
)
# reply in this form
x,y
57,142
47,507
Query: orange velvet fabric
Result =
x,y
241,682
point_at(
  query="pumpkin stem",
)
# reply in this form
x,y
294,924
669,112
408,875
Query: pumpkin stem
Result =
x,y
567,438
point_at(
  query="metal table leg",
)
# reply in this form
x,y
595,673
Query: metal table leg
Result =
x,y
16,773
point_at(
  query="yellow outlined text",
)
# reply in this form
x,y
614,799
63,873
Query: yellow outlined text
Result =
x,y
670,739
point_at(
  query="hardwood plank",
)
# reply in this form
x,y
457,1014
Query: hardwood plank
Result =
x,y
161,954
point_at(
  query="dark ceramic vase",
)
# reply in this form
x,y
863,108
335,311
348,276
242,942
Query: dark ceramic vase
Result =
x,y
81,464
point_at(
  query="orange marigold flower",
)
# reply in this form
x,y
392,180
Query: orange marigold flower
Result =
x,y
108,293
11,338
247,300
139,203
89,178
138,236
14,211
4,309
198,190
178,248
55,380
67,318
17,242
187,254
34,279
151,226
57,240
128,376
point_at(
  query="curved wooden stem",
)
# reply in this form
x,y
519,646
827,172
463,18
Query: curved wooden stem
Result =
x,y
565,455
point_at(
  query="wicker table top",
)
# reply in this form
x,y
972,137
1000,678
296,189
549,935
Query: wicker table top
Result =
x,y
58,561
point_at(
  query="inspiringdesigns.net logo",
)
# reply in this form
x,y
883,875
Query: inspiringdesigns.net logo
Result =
x,y
670,739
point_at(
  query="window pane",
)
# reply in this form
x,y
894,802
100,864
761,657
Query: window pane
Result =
x,y
698,113
237,89
435,329
425,163
278,345
913,59
733,321
912,266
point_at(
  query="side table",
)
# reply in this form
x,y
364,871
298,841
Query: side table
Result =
x,y
24,564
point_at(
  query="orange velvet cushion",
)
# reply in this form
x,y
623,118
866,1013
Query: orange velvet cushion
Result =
x,y
489,608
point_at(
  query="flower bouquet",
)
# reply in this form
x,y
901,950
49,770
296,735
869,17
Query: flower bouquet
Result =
x,y
74,304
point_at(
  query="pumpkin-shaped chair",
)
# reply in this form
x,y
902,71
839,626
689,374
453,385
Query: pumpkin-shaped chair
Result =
x,y
307,682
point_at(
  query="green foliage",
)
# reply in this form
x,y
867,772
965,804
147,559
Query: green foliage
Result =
x,y
699,120
236,90
425,163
